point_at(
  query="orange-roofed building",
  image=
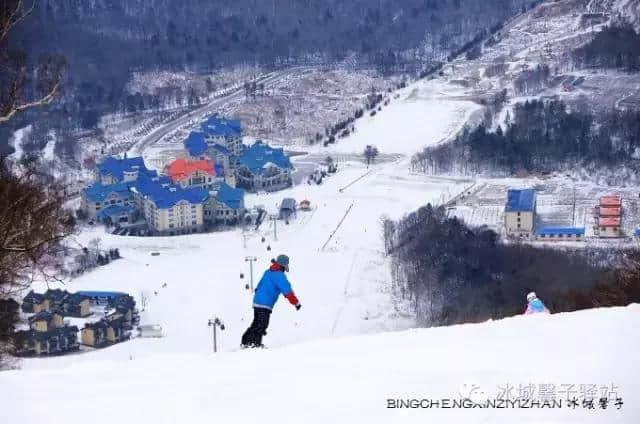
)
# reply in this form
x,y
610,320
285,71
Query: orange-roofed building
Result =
x,y
192,173
611,201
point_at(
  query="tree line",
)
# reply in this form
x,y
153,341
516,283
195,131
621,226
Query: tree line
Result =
x,y
104,41
616,46
542,136
449,273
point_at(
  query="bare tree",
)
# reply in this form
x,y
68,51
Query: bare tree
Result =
x,y
33,221
23,85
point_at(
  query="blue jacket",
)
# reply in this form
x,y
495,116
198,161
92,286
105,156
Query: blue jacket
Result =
x,y
271,285
535,307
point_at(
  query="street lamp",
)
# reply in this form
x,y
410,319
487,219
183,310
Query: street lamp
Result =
x,y
214,323
251,260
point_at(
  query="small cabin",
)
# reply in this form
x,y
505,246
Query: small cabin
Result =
x,y
287,208
149,331
77,305
46,321
95,334
34,302
56,341
305,205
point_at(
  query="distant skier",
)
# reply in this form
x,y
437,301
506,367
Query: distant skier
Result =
x,y
535,305
273,283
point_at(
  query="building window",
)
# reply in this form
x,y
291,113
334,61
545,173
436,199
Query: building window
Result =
x,y
518,225
518,213
193,222
170,225
518,219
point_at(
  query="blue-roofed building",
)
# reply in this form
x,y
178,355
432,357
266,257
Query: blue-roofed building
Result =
x,y
169,209
520,212
196,146
128,190
262,167
225,132
560,233
113,185
114,170
199,147
97,197
117,214
226,204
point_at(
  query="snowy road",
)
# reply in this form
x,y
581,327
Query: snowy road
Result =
x,y
156,135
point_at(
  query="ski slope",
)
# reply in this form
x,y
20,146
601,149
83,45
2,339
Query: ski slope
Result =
x,y
343,282
424,113
348,380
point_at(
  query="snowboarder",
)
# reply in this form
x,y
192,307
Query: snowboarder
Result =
x,y
535,305
273,283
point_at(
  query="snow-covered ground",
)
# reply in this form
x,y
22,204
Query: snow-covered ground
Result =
x,y
416,115
350,380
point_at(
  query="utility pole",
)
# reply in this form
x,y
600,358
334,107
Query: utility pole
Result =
x,y
574,205
251,260
274,218
215,322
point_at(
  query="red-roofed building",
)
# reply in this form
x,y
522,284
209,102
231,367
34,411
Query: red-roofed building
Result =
x,y
608,222
611,201
609,216
192,173
610,211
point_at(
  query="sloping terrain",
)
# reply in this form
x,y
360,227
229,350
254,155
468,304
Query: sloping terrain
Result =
x,y
584,354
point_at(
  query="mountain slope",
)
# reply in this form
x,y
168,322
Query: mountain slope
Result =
x,y
350,379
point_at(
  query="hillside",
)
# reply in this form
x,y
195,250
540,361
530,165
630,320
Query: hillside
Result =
x,y
350,379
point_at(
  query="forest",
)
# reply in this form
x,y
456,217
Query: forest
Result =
x,y
449,273
541,136
616,47
103,41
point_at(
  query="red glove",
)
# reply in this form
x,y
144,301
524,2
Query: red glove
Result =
x,y
291,297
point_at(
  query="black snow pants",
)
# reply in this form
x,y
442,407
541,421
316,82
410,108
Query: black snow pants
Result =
x,y
253,336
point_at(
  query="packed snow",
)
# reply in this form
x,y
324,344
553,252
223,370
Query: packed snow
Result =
x,y
350,380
